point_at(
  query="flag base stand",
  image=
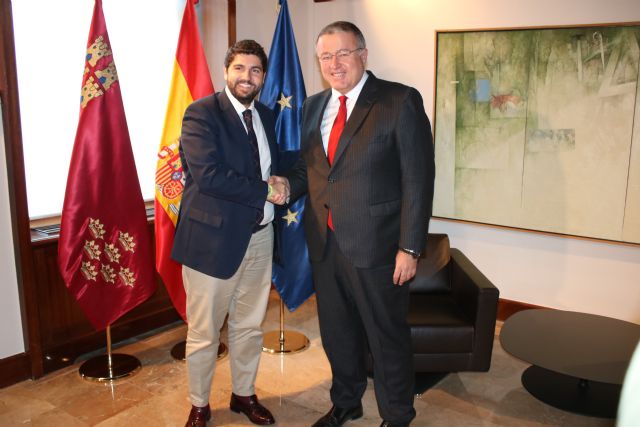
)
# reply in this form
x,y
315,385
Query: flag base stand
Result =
x,y
284,342
100,369
109,367
178,351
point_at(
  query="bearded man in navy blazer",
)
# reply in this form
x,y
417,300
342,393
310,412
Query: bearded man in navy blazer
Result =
x,y
367,163
224,237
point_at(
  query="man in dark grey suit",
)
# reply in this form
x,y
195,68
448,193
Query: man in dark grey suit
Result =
x,y
367,163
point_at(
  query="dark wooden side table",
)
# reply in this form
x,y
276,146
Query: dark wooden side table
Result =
x,y
578,359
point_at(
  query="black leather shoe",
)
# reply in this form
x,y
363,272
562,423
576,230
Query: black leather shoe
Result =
x,y
250,406
336,417
388,424
198,416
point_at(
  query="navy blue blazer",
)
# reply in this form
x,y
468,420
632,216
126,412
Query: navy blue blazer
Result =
x,y
222,195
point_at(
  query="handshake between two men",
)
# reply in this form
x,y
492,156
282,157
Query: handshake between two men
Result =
x,y
279,190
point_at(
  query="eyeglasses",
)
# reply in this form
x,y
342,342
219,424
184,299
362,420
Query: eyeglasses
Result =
x,y
341,54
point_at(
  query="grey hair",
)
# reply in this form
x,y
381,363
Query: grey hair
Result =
x,y
344,27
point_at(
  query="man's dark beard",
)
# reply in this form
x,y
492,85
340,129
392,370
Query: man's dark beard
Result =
x,y
244,99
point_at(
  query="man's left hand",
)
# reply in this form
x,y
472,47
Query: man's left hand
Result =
x,y
405,268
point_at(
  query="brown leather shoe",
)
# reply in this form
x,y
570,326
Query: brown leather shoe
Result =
x,y
250,406
198,417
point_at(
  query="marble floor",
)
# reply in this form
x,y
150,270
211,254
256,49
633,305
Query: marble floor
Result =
x,y
295,388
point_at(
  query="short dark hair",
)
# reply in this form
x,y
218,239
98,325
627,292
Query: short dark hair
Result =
x,y
344,27
246,47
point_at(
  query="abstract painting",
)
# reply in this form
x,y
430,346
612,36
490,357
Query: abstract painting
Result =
x,y
539,129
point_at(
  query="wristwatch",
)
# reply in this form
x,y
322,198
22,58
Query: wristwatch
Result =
x,y
414,254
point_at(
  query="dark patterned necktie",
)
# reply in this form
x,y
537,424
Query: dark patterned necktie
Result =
x,y
253,141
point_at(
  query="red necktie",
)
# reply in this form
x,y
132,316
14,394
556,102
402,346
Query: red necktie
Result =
x,y
334,137
336,130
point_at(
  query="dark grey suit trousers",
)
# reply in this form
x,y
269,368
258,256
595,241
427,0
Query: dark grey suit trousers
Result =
x,y
357,306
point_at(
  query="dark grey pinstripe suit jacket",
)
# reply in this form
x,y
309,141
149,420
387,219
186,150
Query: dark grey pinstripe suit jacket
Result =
x,y
380,186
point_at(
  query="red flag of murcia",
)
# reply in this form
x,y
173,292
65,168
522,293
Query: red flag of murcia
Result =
x,y
105,253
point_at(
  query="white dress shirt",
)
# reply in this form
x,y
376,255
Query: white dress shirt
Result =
x,y
331,110
263,146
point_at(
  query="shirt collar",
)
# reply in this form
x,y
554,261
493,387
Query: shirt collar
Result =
x,y
353,93
237,105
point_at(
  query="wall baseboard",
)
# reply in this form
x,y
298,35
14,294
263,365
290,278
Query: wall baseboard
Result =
x,y
506,308
14,369
17,368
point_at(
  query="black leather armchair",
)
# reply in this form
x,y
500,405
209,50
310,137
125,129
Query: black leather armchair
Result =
x,y
452,312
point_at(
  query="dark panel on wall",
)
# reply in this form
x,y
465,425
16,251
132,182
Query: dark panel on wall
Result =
x,y
14,369
17,186
231,22
65,331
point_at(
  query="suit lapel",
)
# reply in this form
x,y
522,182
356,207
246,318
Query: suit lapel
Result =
x,y
316,119
360,110
240,134
231,116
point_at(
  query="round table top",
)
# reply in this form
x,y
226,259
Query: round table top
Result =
x,y
581,345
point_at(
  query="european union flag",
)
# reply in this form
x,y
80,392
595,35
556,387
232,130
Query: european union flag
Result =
x,y
284,93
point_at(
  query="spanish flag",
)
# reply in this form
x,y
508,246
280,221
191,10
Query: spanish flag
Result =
x,y
191,80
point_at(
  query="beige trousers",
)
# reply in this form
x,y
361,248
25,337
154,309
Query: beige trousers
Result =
x,y
244,296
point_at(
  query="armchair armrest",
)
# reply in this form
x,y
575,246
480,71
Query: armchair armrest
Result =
x,y
478,297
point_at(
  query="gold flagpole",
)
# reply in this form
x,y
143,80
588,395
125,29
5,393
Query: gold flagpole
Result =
x,y
109,359
109,367
284,342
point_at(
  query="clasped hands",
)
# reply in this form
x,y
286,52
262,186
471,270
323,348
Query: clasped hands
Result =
x,y
280,190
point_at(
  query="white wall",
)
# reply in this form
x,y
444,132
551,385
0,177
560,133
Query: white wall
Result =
x,y
213,27
552,271
10,323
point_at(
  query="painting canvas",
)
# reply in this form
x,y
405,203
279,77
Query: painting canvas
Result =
x,y
539,129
